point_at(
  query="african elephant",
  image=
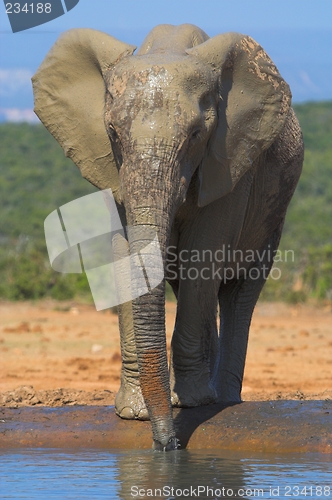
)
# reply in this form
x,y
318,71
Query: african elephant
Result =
x,y
197,139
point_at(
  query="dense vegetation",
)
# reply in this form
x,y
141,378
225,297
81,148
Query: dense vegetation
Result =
x,y
36,178
308,226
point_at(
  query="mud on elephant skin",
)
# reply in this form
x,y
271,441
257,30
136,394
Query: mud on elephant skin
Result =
x,y
197,139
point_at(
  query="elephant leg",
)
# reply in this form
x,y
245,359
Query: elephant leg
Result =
x,y
194,341
129,401
237,300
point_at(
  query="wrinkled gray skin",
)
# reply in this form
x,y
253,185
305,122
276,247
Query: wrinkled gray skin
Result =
x,y
207,153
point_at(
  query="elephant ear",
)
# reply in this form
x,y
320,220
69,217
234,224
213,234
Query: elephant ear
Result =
x,y
253,104
69,92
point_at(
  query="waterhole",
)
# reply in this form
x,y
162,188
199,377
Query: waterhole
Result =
x,y
117,474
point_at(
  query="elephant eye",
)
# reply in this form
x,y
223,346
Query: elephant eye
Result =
x,y
195,133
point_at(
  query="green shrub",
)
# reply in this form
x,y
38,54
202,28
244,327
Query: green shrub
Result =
x,y
63,289
27,276
295,297
169,293
317,275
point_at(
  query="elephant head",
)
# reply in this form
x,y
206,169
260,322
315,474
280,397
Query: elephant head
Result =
x,y
143,125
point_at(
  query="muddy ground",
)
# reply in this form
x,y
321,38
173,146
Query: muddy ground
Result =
x,y
58,354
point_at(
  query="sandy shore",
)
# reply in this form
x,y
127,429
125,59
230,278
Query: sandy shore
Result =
x,y
66,354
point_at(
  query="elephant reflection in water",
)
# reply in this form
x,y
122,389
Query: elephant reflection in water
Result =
x,y
197,139
188,474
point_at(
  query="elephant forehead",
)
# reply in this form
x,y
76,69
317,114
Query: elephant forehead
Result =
x,y
148,75
148,78
157,99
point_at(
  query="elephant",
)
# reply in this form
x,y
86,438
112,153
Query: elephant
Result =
x,y
197,139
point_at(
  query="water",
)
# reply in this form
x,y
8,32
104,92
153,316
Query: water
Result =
x,y
46,474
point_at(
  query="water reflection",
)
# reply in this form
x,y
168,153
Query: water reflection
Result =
x,y
180,474
93,474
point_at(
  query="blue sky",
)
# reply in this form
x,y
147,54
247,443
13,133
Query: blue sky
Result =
x,y
297,34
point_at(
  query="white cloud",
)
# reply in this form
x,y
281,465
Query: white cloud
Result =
x,y
18,115
14,80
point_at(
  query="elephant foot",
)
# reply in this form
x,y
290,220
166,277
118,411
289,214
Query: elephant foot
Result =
x,y
227,396
229,388
188,395
129,401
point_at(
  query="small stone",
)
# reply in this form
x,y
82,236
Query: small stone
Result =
x,y
35,401
96,348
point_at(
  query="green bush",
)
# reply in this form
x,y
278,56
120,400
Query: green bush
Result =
x,y
169,293
63,289
27,276
295,297
317,276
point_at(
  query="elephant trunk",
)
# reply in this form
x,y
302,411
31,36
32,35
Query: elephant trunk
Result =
x,y
150,202
149,324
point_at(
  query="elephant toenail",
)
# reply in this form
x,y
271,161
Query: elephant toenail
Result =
x,y
127,413
143,414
